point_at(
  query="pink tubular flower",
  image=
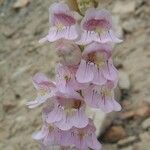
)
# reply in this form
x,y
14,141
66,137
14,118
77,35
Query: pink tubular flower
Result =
x,y
66,113
96,66
63,23
45,89
97,27
102,97
85,76
66,81
69,53
85,138
49,135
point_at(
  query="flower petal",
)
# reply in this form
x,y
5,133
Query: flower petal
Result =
x,y
68,33
62,12
80,143
90,13
71,33
65,123
91,97
107,36
50,139
40,81
39,135
110,72
66,138
85,72
116,105
54,34
43,40
86,38
40,99
32,104
99,77
111,36
106,106
55,115
92,142
80,119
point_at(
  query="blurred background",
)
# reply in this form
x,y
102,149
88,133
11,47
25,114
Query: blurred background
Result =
x,y
23,23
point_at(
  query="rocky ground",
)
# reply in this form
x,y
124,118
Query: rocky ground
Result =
x,y
22,23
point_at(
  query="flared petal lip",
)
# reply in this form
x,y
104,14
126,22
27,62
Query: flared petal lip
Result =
x,y
40,100
66,33
88,37
112,108
39,135
40,81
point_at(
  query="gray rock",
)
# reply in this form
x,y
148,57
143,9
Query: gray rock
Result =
x,y
146,123
117,26
127,141
20,71
124,7
109,147
130,25
144,136
2,113
124,81
127,148
98,118
142,146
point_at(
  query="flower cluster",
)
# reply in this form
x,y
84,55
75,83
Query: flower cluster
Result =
x,y
85,75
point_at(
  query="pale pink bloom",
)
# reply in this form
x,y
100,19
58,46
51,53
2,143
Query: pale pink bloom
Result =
x,y
45,89
67,112
63,23
66,81
96,65
102,97
85,138
97,26
48,136
69,53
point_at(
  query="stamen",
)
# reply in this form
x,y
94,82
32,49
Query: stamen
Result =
x,y
105,91
81,134
59,26
77,104
50,127
67,78
96,58
42,92
71,106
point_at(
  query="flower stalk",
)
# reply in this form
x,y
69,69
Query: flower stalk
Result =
x,y
85,76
